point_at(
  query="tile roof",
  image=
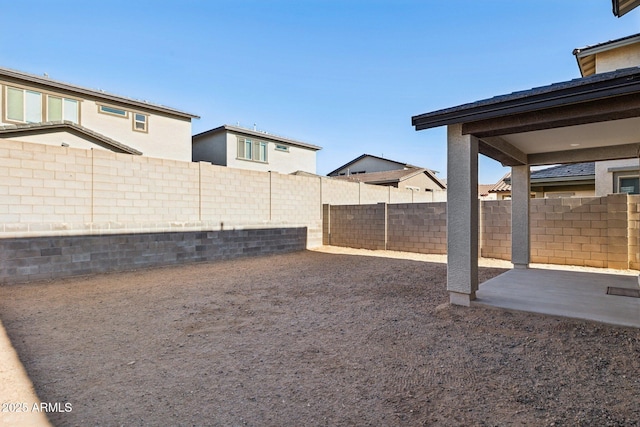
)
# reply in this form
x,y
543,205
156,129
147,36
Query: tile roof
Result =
x,y
9,130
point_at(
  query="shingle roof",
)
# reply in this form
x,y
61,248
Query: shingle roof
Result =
x,y
9,130
46,81
597,86
568,172
573,170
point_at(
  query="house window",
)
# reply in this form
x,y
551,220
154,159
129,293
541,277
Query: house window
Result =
x,y
252,150
628,184
62,109
281,147
105,109
140,122
24,105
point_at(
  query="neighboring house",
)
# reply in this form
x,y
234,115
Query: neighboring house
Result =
x,y
241,148
570,180
484,192
38,109
380,171
613,176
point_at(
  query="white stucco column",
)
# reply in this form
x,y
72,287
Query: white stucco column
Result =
x,y
520,201
462,216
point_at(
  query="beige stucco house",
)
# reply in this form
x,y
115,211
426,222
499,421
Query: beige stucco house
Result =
x,y
41,110
376,170
613,176
238,147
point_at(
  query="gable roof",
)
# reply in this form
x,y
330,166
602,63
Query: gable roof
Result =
x,y
586,56
259,134
36,128
357,159
390,177
21,76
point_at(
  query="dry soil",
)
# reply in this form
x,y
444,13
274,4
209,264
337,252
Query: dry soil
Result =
x,y
311,339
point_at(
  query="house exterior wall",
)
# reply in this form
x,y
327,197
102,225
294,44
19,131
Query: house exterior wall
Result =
x,y
370,164
222,149
421,181
615,59
605,179
58,137
167,136
210,148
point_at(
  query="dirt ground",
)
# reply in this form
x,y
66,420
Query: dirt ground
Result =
x,y
311,339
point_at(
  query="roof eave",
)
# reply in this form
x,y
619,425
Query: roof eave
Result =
x,y
17,75
527,101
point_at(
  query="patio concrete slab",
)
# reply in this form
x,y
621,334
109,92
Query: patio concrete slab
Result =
x,y
563,293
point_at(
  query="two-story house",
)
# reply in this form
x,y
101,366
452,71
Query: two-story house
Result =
x,y
242,148
376,170
38,109
613,176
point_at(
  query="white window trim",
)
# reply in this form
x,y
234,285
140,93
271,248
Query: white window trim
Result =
x,y
135,121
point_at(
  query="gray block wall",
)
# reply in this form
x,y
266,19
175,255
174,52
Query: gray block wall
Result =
x,y
39,258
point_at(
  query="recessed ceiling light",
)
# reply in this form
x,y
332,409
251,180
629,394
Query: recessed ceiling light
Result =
x,y
574,145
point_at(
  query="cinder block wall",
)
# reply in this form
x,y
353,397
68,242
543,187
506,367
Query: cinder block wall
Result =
x,y
592,231
356,226
51,190
634,231
418,227
36,258
495,229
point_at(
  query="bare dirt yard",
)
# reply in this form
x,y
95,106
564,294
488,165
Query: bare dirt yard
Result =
x,y
311,339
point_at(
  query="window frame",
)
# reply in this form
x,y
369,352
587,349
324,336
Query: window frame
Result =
x,y
25,108
620,177
134,122
111,113
282,147
63,108
255,147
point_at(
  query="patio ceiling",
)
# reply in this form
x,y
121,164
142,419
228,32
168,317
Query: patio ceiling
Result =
x,y
587,119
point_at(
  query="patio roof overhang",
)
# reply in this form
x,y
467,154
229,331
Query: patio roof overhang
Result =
x,y
586,119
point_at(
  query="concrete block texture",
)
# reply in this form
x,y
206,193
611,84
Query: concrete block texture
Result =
x,y
39,258
421,227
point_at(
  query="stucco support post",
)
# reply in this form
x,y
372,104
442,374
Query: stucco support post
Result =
x,y
462,216
520,202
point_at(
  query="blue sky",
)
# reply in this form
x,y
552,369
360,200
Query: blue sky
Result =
x,y
343,74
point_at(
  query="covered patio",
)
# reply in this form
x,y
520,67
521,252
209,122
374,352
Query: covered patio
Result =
x,y
587,119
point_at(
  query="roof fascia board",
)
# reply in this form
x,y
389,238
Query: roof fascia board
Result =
x,y
570,115
618,86
603,47
262,135
24,77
